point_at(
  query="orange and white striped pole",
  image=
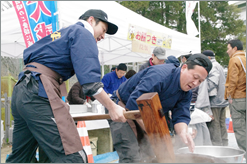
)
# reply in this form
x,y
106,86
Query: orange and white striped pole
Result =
x,y
82,130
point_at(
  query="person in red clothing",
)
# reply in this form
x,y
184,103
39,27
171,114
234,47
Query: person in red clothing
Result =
x,y
158,57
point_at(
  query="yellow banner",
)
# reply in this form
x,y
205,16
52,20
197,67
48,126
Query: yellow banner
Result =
x,y
136,33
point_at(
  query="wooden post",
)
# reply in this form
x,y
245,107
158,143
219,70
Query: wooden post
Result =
x,y
156,127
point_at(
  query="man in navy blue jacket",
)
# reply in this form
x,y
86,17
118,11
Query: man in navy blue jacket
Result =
x,y
114,79
173,85
50,61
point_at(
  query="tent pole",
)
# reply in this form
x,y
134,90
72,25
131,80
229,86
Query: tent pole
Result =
x,y
199,25
103,71
102,63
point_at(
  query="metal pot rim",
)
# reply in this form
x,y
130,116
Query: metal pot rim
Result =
x,y
225,147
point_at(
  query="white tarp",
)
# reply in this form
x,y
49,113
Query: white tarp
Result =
x,y
113,49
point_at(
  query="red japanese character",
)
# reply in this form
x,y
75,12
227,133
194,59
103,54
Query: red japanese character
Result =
x,y
148,38
143,36
37,12
40,30
48,29
138,36
154,40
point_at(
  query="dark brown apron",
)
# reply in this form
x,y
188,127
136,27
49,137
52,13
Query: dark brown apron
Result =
x,y
55,89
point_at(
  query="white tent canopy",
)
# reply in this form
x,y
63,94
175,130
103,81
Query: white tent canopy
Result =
x,y
113,49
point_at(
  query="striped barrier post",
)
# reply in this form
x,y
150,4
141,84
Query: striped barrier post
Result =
x,y
82,130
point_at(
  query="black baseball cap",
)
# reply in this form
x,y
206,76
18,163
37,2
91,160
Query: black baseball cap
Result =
x,y
208,53
112,28
201,60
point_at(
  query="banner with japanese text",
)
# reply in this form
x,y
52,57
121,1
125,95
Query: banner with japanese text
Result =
x,y
148,36
37,19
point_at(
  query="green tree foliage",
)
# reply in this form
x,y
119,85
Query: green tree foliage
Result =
x,y
219,21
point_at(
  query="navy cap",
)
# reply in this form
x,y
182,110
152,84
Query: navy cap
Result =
x,y
201,60
112,28
208,53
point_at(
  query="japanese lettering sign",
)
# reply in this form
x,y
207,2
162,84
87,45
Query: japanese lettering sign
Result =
x,y
142,47
136,33
37,19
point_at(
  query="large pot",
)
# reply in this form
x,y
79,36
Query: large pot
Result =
x,y
196,158
228,154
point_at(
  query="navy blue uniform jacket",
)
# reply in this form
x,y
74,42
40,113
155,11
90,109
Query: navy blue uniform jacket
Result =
x,y
164,79
69,51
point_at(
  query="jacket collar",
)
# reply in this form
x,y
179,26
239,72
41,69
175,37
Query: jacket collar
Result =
x,y
239,52
150,62
87,26
213,60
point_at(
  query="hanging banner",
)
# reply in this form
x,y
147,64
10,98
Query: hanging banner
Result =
x,y
150,37
37,19
190,25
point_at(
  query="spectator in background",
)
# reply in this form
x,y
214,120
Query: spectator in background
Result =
x,y
215,86
235,90
130,73
113,69
173,60
199,131
112,80
158,57
184,58
76,95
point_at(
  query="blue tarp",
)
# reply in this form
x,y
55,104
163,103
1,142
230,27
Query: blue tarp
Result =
x,y
106,158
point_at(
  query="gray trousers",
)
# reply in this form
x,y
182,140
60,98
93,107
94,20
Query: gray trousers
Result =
x,y
238,113
127,146
217,127
34,126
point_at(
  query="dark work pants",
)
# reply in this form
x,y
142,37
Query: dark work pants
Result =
x,y
127,146
34,125
125,142
43,158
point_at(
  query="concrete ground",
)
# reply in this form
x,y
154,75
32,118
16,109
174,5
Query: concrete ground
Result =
x,y
5,149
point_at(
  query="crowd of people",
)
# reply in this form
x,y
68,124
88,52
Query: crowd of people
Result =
x,y
42,119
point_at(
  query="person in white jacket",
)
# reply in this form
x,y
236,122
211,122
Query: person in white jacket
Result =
x,y
216,88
